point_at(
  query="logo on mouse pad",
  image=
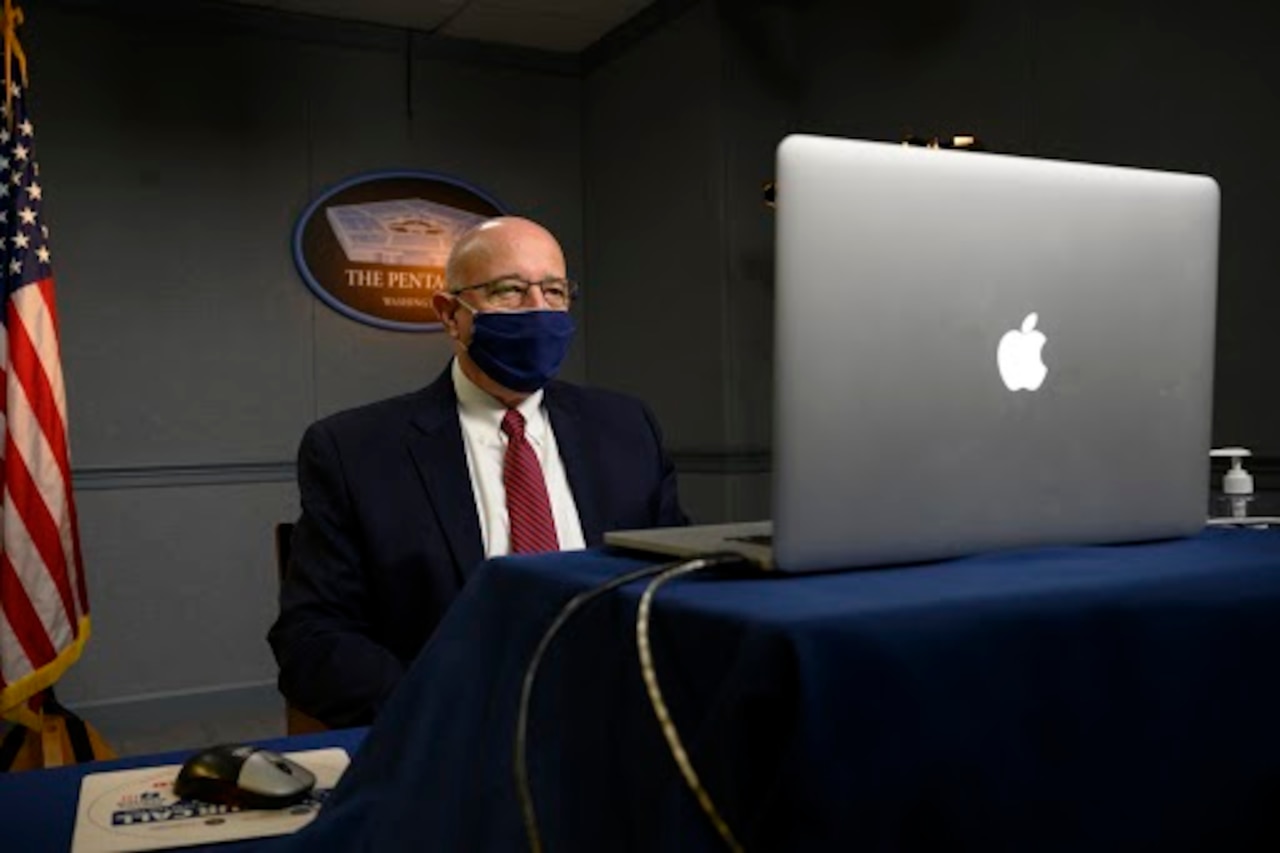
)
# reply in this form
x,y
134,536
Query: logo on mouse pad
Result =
x,y
1018,356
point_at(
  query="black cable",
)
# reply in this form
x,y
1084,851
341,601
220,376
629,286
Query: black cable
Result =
x,y
523,792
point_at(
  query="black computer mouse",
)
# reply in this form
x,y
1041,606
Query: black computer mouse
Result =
x,y
245,776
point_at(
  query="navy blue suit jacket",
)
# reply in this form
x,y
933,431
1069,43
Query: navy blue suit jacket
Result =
x,y
389,530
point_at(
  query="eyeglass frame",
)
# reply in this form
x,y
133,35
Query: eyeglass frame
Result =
x,y
571,288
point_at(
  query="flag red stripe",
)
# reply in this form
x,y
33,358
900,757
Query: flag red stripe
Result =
x,y
82,591
61,448
28,370
23,617
46,290
26,367
40,524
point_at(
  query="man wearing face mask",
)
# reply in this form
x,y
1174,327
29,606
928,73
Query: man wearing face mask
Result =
x,y
402,499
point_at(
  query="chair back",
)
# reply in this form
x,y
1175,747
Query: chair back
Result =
x,y
295,721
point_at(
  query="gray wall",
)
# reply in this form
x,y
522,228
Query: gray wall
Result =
x,y
177,151
680,132
654,193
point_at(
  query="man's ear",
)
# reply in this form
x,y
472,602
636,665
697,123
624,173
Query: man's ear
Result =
x,y
446,307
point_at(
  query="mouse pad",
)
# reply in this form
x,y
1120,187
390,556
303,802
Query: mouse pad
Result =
x,y
128,810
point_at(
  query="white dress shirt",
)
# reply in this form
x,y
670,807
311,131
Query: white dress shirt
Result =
x,y
486,446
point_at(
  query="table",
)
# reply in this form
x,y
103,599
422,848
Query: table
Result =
x,y
1109,698
38,807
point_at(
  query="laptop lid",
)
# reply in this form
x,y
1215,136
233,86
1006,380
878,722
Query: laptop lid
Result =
x,y
977,351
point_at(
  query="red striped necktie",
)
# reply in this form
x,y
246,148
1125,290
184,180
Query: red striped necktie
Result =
x,y
528,507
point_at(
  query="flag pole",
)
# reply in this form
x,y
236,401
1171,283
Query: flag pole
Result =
x,y
13,18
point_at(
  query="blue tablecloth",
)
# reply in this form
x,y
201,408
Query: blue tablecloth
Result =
x,y
38,807
1110,698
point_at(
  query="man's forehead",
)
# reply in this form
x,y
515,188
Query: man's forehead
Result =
x,y
512,254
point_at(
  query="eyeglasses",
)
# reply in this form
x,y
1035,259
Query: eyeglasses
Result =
x,y
510,292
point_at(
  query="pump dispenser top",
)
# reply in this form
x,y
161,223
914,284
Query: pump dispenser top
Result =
x,y
1237,481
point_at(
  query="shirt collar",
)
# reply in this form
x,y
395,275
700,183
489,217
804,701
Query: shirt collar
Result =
x,y
480,407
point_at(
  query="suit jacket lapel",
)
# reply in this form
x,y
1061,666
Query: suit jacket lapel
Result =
x,y
438,452
575,446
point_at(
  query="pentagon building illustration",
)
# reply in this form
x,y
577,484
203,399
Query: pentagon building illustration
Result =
x,y
400,232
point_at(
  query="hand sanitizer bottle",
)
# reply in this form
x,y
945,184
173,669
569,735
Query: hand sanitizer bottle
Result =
x,y
1237,483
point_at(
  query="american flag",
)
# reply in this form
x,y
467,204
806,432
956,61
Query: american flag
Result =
x,y
44,611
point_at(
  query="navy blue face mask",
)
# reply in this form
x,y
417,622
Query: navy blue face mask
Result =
x,y
520,350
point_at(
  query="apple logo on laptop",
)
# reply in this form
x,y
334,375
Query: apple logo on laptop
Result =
x,y
1018,356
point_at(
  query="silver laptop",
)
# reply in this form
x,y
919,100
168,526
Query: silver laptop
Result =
x,y
977,352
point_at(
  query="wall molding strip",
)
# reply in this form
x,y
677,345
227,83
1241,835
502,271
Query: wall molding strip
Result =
x,y
166,476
